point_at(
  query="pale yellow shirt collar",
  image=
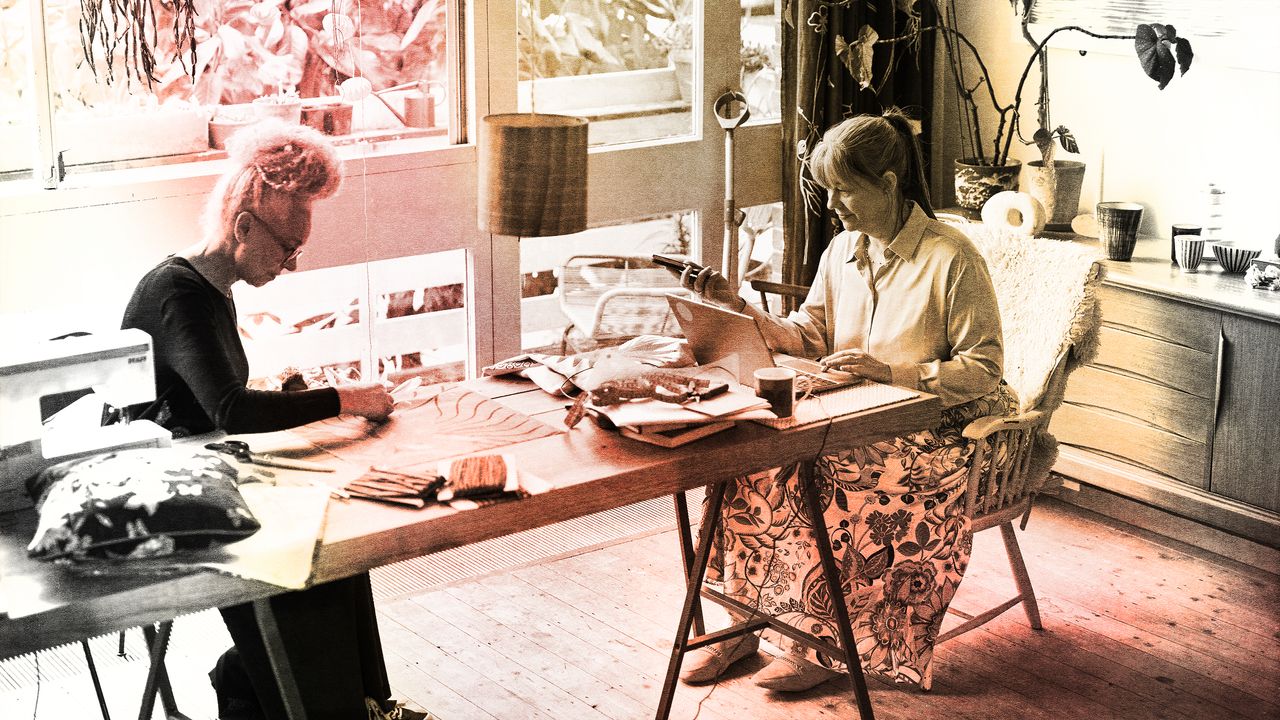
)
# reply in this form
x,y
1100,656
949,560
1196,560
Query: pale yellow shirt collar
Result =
x,y
904,244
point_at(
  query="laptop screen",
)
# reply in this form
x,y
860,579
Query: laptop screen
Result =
x,y
721,337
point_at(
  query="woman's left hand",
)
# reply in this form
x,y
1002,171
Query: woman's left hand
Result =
x,y
857,362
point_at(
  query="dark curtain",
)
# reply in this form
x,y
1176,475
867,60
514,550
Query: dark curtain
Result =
x,y
818,91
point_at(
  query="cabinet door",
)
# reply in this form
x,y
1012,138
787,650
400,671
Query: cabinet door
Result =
x,y
1246,446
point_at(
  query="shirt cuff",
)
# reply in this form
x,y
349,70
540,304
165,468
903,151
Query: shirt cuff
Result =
x,y
907,376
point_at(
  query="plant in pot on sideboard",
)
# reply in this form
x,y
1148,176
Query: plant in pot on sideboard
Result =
x,y
981,175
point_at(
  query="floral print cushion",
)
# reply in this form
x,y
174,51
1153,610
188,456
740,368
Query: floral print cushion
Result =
x,y
137,503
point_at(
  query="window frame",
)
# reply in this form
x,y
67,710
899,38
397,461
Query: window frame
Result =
x,y
672,175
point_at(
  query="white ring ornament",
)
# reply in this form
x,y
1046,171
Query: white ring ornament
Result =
x,y
1016,212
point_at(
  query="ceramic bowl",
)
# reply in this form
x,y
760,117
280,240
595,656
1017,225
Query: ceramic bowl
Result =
x,y
1233,258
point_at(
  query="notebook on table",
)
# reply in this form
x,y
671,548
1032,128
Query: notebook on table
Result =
x,y
733,341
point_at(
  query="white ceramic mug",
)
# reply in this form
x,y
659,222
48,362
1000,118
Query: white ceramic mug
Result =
x,y
778,386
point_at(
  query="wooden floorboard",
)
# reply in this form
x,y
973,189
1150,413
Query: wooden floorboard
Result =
x,y
1135,627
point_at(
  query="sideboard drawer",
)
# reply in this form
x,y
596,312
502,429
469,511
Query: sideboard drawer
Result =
x,y
1178,322
1165,407
1165,363
1133,441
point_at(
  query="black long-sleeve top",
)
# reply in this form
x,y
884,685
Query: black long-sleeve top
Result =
x,y
201,368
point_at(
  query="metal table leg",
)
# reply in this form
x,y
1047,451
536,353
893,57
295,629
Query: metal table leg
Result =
x,y
158,675
97,682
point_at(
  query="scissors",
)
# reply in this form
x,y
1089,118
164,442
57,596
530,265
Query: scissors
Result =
x,y
240,451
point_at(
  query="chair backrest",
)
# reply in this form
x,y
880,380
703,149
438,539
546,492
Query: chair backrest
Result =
x,y
1049,312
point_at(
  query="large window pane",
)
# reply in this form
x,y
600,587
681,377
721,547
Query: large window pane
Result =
x,y
232,62
317,322
16,129
626,65
599,287
762,58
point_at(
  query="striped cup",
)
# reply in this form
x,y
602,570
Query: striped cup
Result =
x,y
1190,252
1118,228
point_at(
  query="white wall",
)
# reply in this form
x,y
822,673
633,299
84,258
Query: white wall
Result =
x,y
1217,123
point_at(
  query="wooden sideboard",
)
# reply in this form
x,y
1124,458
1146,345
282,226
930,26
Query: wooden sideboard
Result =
x,y
1181,408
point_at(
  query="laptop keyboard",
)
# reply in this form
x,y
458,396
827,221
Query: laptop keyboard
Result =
x,y
808,382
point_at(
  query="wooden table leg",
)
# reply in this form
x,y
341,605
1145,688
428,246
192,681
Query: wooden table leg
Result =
x,y
692,596
280,667
813,503
686,553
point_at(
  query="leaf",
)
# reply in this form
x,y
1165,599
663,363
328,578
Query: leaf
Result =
x,y
1182,47
878,563
857,56
1153,52
1067,140
841,501
1043,139
233,44
909,548
420,20
922,533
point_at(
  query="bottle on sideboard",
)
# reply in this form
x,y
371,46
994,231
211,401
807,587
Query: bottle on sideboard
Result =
x,y
1215,201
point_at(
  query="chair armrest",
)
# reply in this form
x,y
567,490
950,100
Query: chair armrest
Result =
x,y
784,289
985,427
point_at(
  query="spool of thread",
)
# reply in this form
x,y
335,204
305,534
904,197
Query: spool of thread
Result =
x,y
419,109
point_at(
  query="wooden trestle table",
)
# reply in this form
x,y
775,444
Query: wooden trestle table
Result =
x,y
589,469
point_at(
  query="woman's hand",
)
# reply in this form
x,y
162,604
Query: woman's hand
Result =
x,y
710,284
369,400
856,362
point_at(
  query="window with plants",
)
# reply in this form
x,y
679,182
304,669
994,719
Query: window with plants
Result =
x,y
146,78
625,65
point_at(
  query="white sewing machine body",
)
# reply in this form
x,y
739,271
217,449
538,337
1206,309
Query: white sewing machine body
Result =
x,y
118,368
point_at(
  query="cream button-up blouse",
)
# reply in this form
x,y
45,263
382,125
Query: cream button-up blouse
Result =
x,y
929,312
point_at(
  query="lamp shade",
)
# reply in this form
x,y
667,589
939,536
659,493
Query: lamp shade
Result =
x,y
533,174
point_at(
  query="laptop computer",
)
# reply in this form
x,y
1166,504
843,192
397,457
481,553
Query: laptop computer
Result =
x,y
733,341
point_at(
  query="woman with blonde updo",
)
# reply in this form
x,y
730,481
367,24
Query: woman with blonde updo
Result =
x,y
257,223
900,298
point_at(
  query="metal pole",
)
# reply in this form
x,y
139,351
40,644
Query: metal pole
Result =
x,y
731,112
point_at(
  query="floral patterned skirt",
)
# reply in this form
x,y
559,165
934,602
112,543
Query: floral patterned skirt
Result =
x,y
894,513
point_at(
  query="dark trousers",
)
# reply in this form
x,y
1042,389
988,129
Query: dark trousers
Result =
x,y
330,635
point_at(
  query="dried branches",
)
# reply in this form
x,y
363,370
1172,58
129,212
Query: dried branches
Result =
x,y
127,29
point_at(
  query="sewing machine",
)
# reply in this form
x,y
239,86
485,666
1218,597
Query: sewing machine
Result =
x,y
52,396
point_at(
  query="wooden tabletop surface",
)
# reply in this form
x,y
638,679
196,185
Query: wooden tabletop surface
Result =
x,y
588,468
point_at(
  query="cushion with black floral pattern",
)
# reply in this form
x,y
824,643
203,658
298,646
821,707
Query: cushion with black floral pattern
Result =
x,y
136,504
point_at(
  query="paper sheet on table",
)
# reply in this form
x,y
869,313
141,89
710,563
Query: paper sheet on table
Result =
x,y
281,552
438,424
654,412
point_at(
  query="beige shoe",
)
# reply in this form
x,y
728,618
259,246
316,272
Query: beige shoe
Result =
x,y
792,673
706,664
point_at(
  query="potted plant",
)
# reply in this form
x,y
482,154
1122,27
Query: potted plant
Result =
x,y
679,39
980,175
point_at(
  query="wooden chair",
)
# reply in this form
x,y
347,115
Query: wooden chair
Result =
x,y
1013,455
788,295
1047,292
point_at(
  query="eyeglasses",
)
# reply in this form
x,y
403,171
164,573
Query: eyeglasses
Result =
x,y
292,250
